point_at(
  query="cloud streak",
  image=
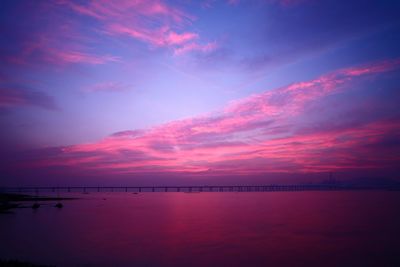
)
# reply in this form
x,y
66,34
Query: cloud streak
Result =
x,y
39,41
152,22
106,87
14,94
270,132
17,97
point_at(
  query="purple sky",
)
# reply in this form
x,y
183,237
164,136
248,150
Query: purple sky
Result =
x,y
159,91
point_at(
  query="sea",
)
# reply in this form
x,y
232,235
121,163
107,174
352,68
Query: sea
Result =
x,y
309,228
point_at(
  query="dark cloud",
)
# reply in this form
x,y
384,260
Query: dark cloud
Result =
x,y
128,133
17,96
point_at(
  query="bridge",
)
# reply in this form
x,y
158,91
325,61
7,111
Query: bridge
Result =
x,y
194,188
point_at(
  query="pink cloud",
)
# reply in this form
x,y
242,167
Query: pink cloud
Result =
x,y
152,22
59,49
59,54
67,57
174,38
156,37
105,10
262,133
383,66
294,96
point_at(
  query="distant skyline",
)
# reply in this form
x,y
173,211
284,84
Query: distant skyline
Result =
x,y
192,91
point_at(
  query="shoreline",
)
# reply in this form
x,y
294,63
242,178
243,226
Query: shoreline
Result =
x,y
10,201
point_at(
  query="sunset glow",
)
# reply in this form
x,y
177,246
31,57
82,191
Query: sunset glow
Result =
x,y
198,89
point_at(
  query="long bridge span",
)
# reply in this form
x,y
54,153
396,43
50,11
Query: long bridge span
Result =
x,y
193,189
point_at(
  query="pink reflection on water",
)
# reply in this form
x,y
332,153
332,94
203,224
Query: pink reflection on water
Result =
x,y
203,229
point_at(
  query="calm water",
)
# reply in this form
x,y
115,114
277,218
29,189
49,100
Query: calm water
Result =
x,y
209,229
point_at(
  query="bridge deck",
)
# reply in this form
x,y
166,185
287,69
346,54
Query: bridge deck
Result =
x,y
197,188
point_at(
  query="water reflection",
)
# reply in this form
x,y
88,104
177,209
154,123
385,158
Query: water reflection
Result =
x,y
209,229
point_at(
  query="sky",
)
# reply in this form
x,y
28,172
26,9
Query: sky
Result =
x,y
164,92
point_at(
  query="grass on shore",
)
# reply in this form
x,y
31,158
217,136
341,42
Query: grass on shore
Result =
x,y
17,263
